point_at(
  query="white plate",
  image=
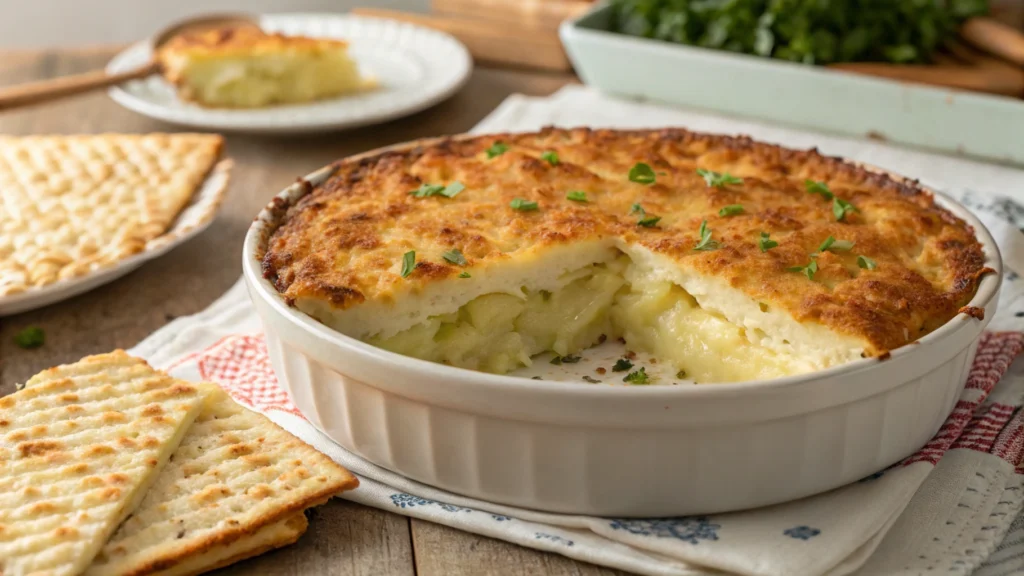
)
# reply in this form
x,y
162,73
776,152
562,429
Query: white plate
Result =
x,y
416,67
195,218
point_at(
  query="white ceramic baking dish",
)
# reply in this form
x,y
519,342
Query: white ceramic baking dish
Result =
x,y
616,450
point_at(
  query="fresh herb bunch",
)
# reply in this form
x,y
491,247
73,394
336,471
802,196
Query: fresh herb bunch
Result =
x,y
808,31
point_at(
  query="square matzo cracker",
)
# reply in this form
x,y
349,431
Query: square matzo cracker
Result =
x,y
79,447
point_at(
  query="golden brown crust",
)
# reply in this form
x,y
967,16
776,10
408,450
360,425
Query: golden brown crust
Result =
x,y
343,242
242,39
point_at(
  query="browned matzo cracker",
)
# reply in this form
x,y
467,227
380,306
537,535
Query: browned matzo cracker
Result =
x,y
79,447
276,535
234,473
72,204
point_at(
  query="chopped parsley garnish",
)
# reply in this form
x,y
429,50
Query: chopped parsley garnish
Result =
x,y
408,263
497,149
866,263
31,337
452,189
766,243
621,365
641,174
536,378
681,374
808,270
425,190
731,210
591,380
637,377
818,188
567,359
523,205
841,207
551,157
718,179
706,243
455,256
646,220
465,275
577,196
834,245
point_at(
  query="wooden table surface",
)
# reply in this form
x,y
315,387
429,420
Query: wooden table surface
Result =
x,y
343,538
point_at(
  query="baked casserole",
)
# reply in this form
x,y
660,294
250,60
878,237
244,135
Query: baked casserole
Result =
x,y
245,67
729,259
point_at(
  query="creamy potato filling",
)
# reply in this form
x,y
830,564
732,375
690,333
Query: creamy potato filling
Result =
x,y
268,79
501,332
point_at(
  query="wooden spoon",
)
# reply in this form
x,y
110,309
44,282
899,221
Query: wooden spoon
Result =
x,y
47,90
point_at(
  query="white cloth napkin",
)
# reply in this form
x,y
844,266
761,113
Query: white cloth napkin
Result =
x,y
955,517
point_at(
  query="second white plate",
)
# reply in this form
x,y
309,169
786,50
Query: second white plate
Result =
x,y
416,67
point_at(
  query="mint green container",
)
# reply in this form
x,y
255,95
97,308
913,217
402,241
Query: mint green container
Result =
x,y
810,97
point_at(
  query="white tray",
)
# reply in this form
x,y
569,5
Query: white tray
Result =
x,y
816,98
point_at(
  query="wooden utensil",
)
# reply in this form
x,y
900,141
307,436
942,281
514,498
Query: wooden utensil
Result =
x,y
47,90
488,41
995,38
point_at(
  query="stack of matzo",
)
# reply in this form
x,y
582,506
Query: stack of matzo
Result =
x,y
73,204
108,467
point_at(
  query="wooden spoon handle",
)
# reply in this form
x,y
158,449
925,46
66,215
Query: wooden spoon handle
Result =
x,y
995,38
46,90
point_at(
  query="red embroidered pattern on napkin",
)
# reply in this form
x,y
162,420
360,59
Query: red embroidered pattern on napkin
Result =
x,y
241,365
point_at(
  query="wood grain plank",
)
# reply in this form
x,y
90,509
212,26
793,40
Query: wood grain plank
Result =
x,y
444,551
343,538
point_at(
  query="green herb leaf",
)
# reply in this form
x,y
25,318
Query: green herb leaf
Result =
x,y
731,210
637,208
465,275
765,243
452,189
455,256
705,243
641,174
621,365
834,245
807,270
408,263
577,196
591,380
571,358
551,157
866,263
681,374
31,337
523,205
718,179
425,190
648,221
818,188
841,207
497,149
557,360
637,377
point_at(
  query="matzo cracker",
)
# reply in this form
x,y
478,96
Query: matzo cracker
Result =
x,y
234,473
79,446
